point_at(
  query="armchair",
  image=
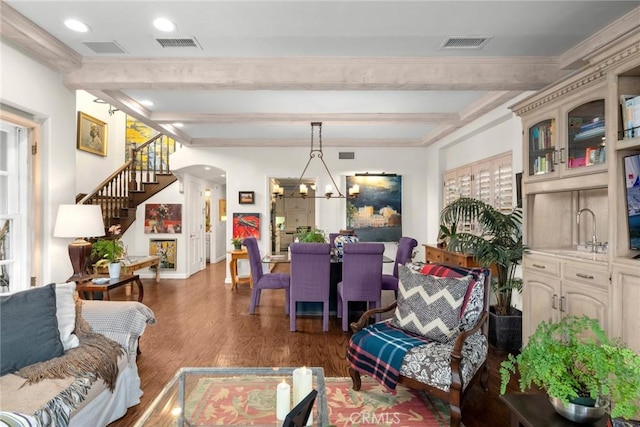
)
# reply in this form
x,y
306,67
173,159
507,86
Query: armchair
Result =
x,y
263,281
310,271
444,368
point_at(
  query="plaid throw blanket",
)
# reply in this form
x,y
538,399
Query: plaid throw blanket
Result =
x,y
378,350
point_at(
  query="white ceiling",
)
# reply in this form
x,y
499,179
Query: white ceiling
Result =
x,y
373,72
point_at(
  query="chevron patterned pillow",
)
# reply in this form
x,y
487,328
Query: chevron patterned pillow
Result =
x,y
429,305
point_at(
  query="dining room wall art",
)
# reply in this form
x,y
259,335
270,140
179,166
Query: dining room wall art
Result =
x,y
162,218
92,135
246,225
376,214
166,249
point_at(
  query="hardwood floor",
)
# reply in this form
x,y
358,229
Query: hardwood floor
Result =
x,y
201,322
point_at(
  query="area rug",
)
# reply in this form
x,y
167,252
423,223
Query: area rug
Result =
x,y
219,401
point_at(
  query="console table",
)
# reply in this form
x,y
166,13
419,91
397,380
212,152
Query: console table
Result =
x,y
434,254
134,263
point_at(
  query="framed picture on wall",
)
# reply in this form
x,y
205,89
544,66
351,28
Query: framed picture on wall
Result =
x,y
222,209
92,135
162,218
246,197
246,225
166,250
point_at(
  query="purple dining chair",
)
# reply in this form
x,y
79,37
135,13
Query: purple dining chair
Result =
x,y
263,281
403,254
361,277
310,267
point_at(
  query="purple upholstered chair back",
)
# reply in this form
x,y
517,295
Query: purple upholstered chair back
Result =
x,y
255,263
310,278
362,271
403,254
310,266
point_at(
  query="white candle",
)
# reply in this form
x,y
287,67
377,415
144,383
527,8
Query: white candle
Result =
x,y
302,385
327,189
303,189
283,400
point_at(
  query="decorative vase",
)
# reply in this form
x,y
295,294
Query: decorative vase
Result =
x,y
237,247
114,270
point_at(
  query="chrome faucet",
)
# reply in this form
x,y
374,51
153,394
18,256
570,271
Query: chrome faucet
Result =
x,y
594,239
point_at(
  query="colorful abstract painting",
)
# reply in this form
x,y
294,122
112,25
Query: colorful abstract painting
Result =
x,y
162,218
138,133
246,225
376,214
166,250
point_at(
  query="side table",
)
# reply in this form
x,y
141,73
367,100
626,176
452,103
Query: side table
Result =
x,y
535,410
233,268
88,286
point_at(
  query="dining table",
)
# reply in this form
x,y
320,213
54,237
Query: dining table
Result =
x,y
335,277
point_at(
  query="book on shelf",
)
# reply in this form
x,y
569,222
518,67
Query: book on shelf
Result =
x,y
630,109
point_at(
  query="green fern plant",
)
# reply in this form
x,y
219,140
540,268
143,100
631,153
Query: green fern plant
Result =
x,y
575,358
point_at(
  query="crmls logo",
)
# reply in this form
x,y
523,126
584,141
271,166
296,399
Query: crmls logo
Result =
x,y
364,418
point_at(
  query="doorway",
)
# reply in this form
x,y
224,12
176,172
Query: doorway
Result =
x,y
290,211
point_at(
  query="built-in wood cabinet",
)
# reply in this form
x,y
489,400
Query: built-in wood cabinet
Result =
x,y
573,149
556,287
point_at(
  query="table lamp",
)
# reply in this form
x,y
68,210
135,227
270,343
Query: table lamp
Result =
x,y
79,221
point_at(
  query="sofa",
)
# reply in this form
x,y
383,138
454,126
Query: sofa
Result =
x,y
66,361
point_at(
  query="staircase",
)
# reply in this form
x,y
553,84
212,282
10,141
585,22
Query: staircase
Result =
x,y
145,173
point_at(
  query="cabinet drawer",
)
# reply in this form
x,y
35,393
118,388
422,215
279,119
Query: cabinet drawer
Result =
x,y
586,274
433,255
542,265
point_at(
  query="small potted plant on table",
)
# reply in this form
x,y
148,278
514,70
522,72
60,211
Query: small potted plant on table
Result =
x,y
237,243
574,360
110,251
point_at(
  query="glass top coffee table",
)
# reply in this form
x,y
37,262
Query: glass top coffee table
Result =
x,y
227,396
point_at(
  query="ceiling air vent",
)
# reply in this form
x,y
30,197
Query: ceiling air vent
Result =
x,y
346,155
466,42
183,42
104,47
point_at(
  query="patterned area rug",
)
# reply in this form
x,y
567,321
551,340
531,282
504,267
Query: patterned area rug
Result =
x,y
214,402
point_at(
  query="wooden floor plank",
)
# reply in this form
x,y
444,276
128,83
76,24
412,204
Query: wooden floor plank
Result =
x,y
201,322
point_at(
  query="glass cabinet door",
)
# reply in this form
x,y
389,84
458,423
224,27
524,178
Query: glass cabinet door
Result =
x,y
542,146
586,145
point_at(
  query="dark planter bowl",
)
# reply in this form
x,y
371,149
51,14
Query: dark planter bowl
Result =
x,y
505,332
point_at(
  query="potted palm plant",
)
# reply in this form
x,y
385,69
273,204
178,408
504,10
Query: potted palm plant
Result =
x,y
577,364
496,243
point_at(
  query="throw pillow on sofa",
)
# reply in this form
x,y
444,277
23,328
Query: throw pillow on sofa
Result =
x,y
428,305
66,314
28,328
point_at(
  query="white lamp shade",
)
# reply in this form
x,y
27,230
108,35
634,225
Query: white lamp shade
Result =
x,y
79,221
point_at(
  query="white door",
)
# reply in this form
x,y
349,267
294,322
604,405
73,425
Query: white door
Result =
x,y
195,202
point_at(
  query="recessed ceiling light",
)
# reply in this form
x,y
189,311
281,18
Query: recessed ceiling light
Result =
x,y
146,103
223,175
207,168
75,25
178,125
163,24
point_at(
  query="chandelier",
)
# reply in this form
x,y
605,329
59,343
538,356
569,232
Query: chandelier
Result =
x,y
303,190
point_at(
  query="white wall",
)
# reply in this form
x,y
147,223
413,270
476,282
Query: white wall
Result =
x,y
31,87
92,169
